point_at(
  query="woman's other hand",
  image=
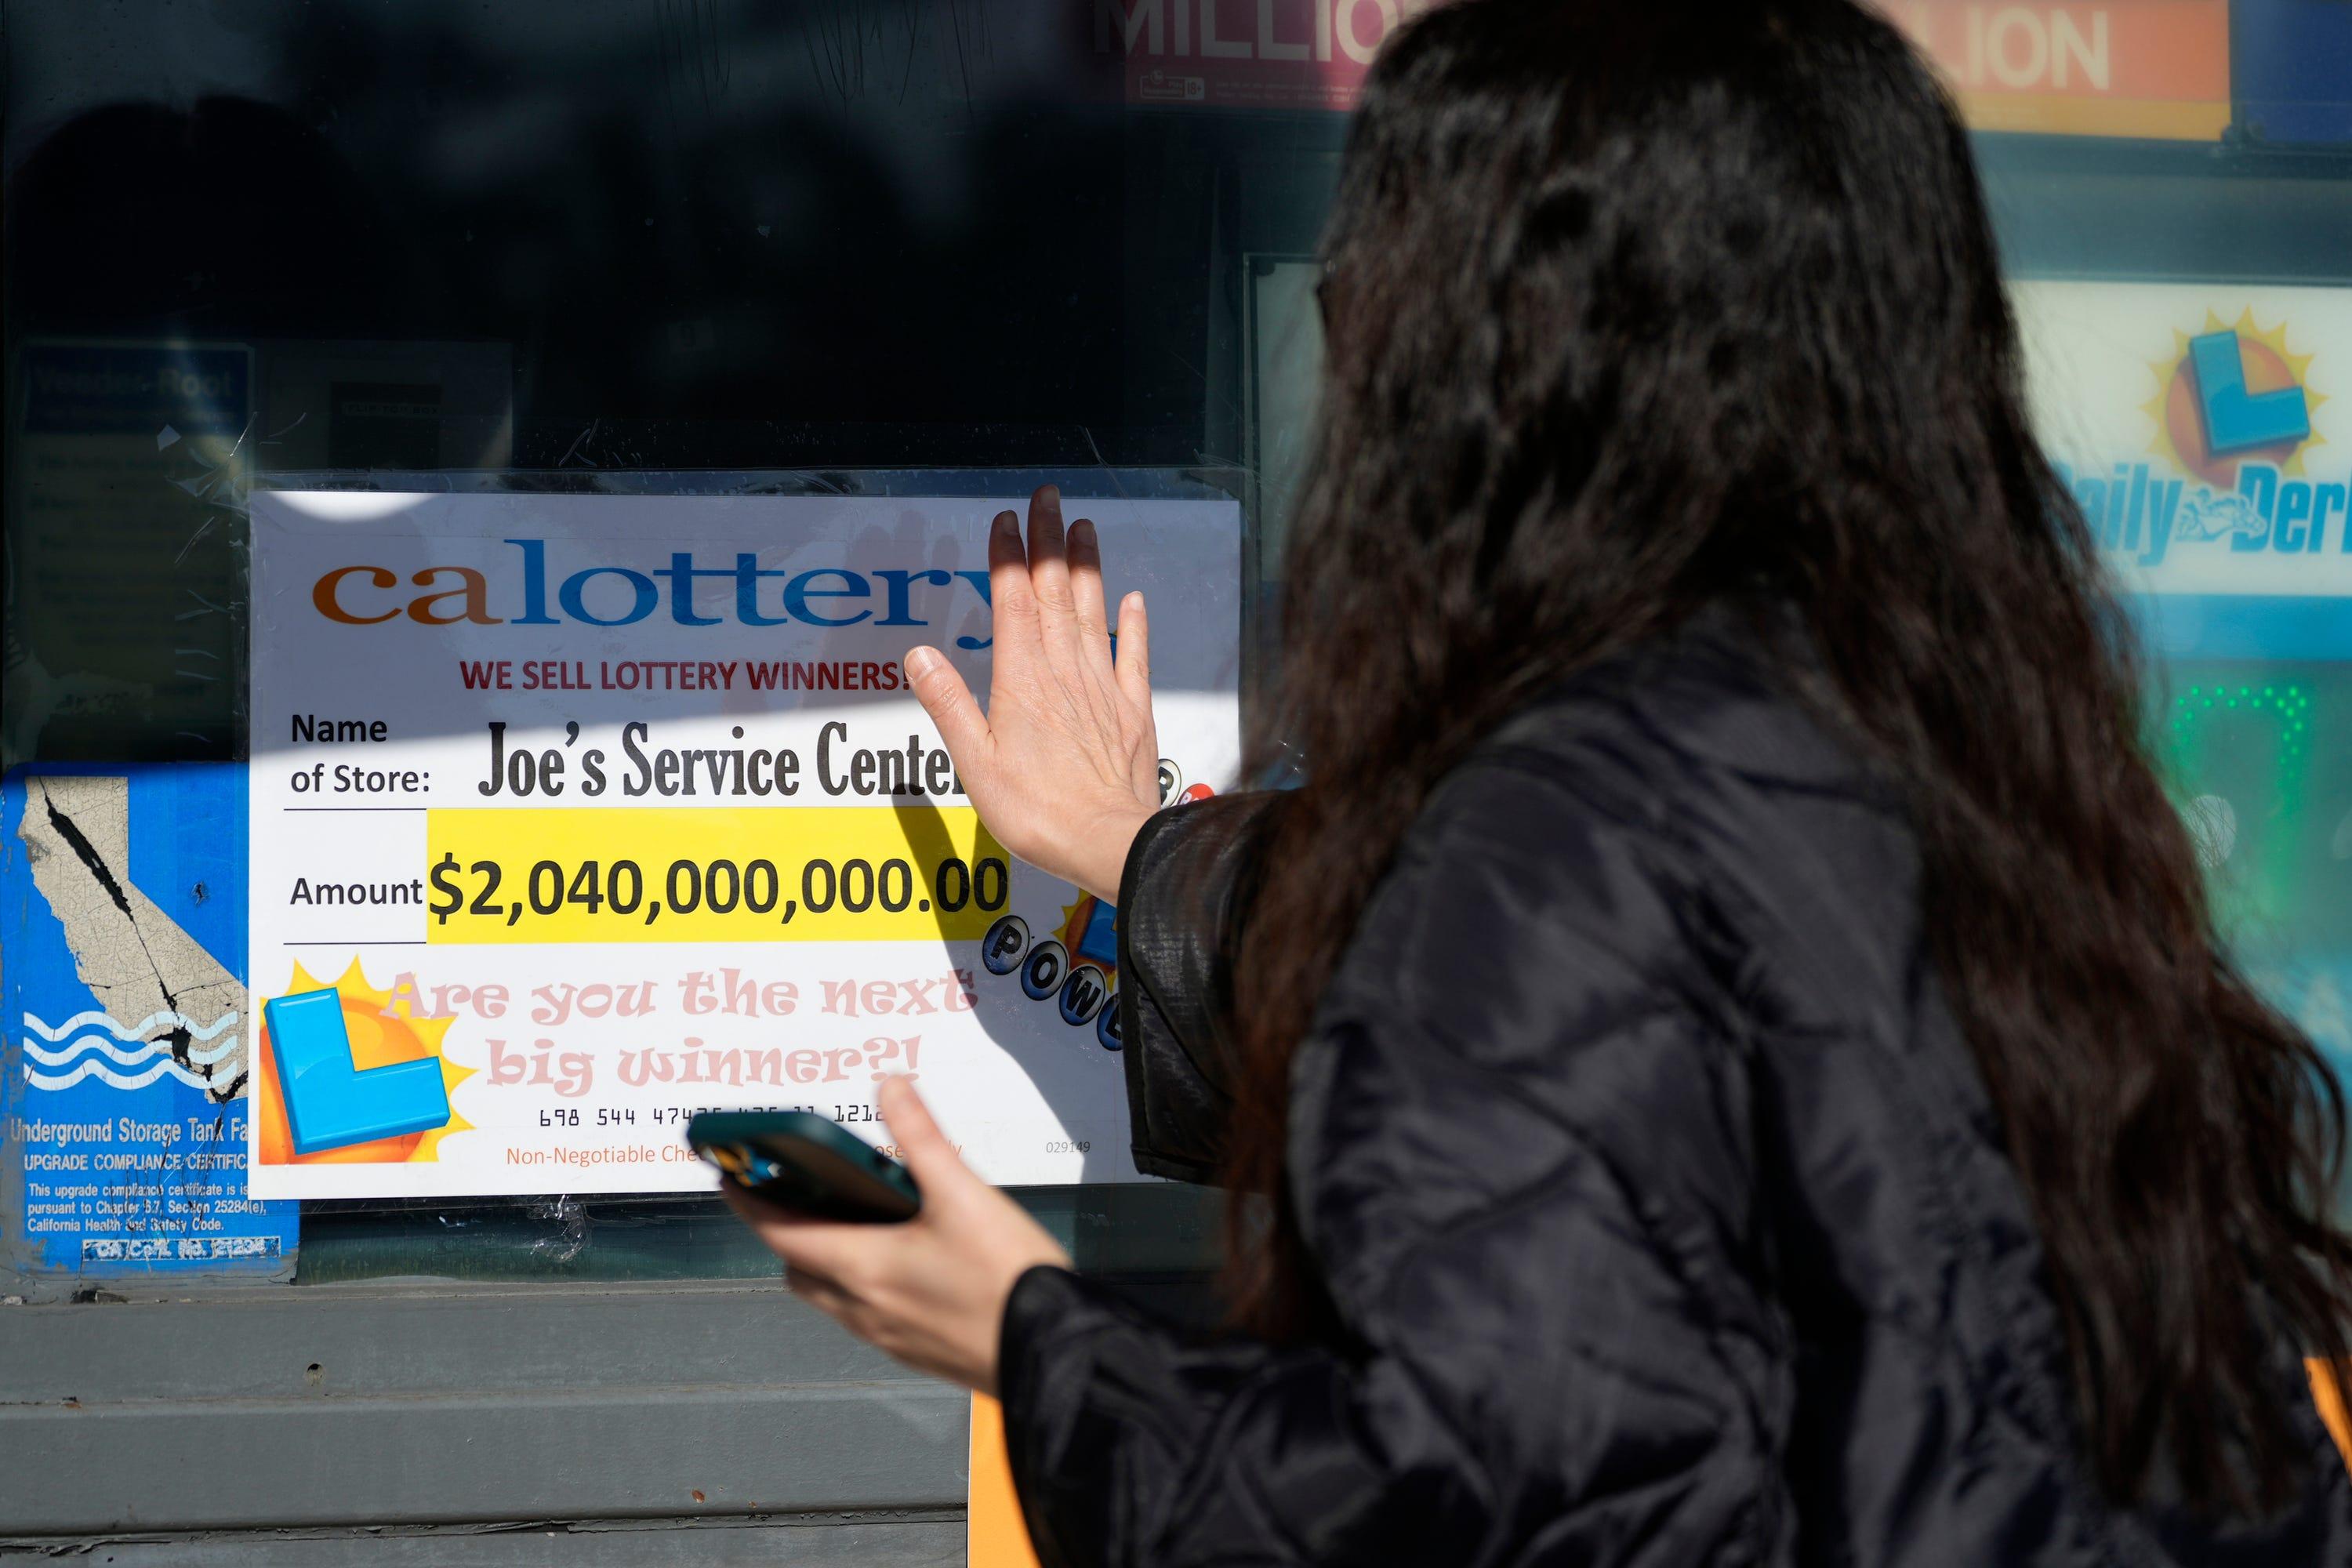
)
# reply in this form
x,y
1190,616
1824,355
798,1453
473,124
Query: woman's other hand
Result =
x,y
1064,765
930,1290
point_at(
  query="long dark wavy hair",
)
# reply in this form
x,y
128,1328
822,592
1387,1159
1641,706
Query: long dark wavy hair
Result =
x,y
1636,308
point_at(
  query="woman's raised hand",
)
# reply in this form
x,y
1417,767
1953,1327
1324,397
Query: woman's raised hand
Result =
x,y
1064,765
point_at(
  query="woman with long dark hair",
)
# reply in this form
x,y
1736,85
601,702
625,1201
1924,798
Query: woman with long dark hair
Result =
x,y
1725,1058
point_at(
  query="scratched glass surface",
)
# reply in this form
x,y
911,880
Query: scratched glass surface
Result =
x,y
620,237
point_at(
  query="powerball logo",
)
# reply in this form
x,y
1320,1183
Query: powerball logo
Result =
x,y
2229,465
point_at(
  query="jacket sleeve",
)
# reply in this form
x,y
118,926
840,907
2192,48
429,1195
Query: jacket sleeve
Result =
x,y
1187,882
1522,1156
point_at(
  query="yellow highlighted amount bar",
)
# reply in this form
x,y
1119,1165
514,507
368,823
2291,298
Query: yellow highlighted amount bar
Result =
x,y
666,874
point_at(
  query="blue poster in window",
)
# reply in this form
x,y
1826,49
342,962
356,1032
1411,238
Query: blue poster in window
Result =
x,y
122,992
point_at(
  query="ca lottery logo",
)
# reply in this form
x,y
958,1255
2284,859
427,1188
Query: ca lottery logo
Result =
x,y
1074,970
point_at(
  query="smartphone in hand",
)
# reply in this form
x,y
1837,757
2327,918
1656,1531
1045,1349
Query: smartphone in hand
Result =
x,y
799,1161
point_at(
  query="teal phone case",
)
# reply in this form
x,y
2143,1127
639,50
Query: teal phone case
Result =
x,y
798,1160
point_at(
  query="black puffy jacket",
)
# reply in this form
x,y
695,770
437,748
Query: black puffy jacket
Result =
x,y
1660,1200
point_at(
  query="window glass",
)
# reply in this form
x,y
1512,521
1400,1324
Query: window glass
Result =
x,y
937,235
385,240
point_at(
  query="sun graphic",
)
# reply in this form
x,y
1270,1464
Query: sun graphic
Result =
x,y
1089,917
2180,423
382,1031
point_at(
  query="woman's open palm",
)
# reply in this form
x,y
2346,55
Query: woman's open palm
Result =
x,y
1065,764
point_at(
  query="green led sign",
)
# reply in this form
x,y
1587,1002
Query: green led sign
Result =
x,y
2239,754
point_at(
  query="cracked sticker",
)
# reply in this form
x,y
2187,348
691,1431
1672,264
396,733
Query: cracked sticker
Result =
x,y
124,1082
153,982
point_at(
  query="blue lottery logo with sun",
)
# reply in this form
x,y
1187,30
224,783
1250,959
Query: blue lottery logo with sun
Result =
x,y
2233,431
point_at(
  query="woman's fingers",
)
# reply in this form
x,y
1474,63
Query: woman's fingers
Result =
x,y
816,1290
757,1212
1049,569
1012,601
1086,591
856,1316
926,1150
830,1250
951,707
1135,652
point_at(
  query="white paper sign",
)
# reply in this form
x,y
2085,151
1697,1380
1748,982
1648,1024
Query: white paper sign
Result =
x,y
2232,482
596,811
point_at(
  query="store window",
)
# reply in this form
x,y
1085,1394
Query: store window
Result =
x,y
691,258
685,252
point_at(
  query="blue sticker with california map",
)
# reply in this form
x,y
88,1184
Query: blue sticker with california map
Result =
x,y
122,895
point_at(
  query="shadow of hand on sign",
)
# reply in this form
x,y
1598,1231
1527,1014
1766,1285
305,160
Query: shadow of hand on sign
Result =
x,y
1036,998
929,846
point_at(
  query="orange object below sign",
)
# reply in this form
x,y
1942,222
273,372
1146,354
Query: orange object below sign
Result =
x,y
998,1538
2157,68
2329,1395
